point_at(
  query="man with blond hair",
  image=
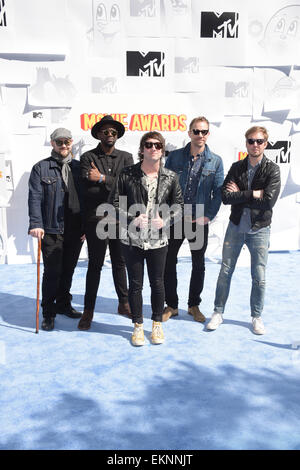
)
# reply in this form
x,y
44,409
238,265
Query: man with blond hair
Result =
x,y
251,187
201,176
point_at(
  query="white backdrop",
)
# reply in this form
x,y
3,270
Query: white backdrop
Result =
x,y
152,64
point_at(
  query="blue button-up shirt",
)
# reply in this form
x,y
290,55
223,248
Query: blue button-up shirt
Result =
x,y
191,188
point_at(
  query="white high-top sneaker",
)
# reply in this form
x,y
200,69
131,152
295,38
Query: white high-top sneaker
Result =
x,y
215,321
258,326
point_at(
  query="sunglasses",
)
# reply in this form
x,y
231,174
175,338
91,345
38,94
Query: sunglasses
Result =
x,y
157,145
62,142
258,141
113,132
198,131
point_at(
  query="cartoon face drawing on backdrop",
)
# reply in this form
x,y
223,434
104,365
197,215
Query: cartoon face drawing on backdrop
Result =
x,y
179,7
282,33
106,20
177,17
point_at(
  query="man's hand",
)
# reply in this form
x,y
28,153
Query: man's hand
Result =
x,y
232,187
202,220
258,193
93,174
37,233
141,221
157,223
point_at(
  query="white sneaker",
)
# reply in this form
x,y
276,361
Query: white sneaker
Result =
x,y
137,338
258,326
215,321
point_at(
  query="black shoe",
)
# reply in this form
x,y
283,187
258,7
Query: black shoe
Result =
x,y
48,323
69,311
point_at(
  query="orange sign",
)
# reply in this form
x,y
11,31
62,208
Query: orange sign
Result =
x,y
242,155
140,122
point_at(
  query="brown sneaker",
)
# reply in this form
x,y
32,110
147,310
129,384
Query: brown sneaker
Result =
x,y
198,316
168,313
86,320
124,309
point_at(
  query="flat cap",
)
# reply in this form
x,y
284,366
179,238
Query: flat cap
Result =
x,y
61,133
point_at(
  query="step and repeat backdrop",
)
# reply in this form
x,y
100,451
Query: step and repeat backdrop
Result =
x,y
153,65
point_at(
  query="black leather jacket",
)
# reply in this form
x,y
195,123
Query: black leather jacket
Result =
x,y
129,184
267,177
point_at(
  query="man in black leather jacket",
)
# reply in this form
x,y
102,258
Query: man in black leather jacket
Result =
x,y
251,187
152,201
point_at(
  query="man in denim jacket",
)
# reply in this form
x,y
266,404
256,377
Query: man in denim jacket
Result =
x,y
201,176
55,217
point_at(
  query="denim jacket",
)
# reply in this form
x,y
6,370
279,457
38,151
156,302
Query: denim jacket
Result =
x,y
211,180
47,195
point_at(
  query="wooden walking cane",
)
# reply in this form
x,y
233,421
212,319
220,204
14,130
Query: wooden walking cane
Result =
x,y
38,286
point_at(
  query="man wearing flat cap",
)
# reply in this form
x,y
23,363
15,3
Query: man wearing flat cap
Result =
x,y
55,217
99,169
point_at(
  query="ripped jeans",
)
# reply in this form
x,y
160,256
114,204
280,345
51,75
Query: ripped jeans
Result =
x,y
258,245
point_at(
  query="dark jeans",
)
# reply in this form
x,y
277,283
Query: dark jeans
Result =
x,y
198,265
60,256
96,252
155,260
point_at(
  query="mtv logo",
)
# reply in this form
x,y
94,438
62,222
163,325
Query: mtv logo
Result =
x,y
150,64
187,65
236,90
2,13
279,152
104,85
219,25
144,8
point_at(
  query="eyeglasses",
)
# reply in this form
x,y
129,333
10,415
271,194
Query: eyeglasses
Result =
x,y
62,142
157,145
198,131
258,141
113,132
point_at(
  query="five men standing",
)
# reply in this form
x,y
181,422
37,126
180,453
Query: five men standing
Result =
x,y
59,216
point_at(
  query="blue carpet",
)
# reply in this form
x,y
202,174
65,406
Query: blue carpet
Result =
x,y
227,389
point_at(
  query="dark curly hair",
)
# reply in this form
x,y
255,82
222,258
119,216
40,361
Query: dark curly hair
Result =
x,y
151,135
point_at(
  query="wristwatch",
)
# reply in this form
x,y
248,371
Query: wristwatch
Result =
x,y
101,178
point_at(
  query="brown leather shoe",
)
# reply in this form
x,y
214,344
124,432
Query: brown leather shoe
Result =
x,y
198,316
86,320
124,309
169,312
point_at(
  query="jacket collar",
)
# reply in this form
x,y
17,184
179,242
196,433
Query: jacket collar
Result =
x,y
246,160
100,152
207,152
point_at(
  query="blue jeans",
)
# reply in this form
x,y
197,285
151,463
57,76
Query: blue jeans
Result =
x,y
258,245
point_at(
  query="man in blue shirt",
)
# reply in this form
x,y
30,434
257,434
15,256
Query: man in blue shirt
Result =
x,y
201,176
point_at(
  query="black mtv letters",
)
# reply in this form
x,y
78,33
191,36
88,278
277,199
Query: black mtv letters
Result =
x,y
150,64
279,152
2,13
222,25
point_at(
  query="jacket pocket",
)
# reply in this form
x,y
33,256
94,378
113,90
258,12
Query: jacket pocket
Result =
x,y
49,179
206,173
